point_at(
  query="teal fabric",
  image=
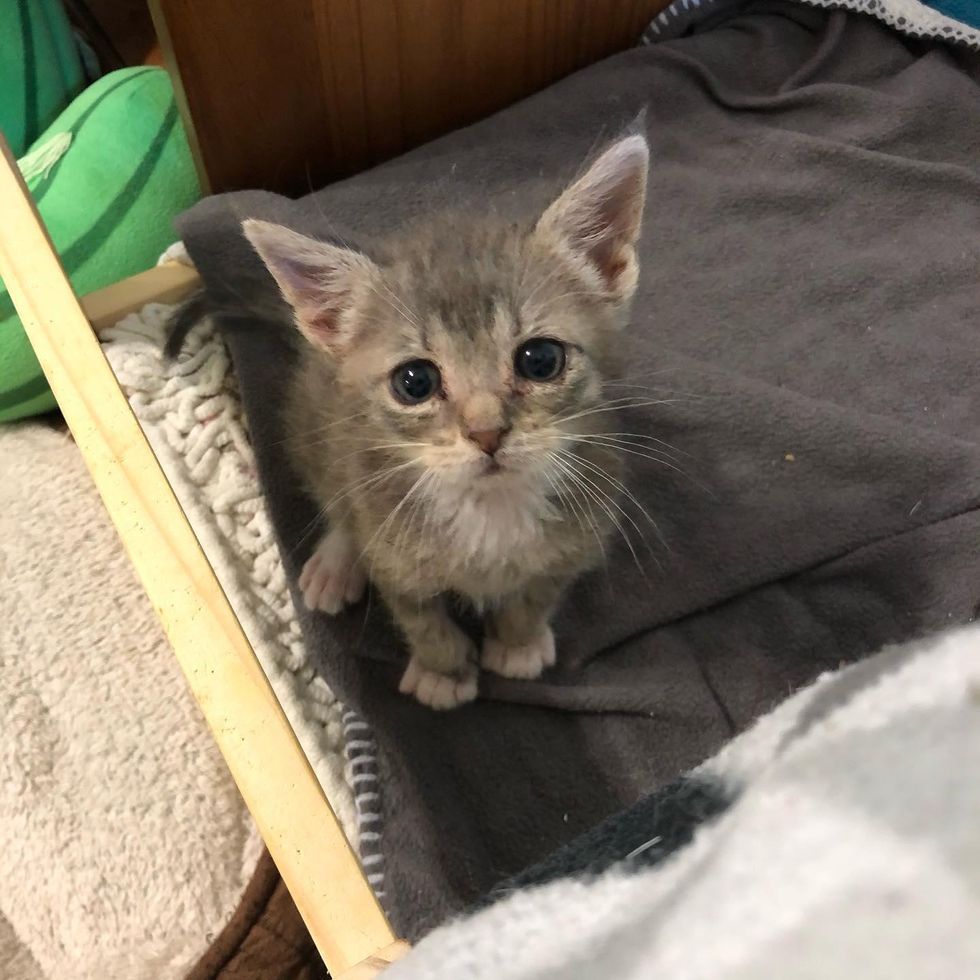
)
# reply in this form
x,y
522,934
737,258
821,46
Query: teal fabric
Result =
x,y
40,68
965,11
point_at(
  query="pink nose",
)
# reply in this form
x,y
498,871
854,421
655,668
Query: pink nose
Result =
x,y
487,439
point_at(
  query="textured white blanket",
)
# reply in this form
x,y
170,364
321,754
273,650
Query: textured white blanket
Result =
x,y
124,844
852,850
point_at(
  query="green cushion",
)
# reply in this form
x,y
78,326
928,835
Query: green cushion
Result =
x,y
108,198
40,69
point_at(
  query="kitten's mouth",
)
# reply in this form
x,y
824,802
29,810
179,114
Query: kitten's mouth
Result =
x,y
491,467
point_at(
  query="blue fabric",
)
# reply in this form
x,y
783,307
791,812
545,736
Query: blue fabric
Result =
x,y
965,11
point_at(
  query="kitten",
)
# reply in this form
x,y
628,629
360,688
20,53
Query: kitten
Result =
x,y
448,417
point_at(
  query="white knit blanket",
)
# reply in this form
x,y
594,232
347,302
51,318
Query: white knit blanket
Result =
x,y
852,850
193,418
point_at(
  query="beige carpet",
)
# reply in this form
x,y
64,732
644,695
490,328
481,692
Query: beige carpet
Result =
x,y
124,846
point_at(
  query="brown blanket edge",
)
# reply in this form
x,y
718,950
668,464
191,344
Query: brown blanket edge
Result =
x,y
265,939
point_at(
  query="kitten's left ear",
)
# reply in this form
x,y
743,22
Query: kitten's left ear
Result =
x,y
599,216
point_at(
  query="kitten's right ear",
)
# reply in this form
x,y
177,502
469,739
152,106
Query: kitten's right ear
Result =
x,y
318,280
598,217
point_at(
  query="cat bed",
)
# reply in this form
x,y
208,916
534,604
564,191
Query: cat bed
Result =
x,y
806,319
108,175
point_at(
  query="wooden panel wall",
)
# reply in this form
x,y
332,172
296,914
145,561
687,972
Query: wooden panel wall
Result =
x,y
290,94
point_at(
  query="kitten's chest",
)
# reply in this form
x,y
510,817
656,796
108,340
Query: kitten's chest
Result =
x,y
481,547
490,547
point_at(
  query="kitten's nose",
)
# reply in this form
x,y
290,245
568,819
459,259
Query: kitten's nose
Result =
x,y
487,439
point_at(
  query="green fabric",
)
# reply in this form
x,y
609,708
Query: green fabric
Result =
x,y
108,201
40,68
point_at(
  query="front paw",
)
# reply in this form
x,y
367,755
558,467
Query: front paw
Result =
x,y
436,690
334,576
524,661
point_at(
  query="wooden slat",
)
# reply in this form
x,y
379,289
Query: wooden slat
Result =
x,y
260,748
368,969
300,92
167,283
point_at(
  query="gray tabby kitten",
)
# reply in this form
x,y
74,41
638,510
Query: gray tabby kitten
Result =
x,y
449,418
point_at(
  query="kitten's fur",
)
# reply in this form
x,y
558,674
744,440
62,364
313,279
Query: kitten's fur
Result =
x,y
412,500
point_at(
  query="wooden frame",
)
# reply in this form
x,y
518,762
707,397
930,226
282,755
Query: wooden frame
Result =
x,y
275,779
301,92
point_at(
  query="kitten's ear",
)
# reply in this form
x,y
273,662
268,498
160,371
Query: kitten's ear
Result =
x,y
317,280
599,216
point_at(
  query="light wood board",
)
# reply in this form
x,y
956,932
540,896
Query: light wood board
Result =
x,y
167,283
261,750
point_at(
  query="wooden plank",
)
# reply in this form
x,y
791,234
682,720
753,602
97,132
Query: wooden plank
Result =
x,y
168,283
368,969
164,51
261,750
301,92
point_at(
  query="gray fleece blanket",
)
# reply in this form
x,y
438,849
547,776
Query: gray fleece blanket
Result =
x,y
808,311
796,853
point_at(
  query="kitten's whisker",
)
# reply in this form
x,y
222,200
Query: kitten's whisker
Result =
x,y
642,435
574,509
573,460
693,395
623,489
607,442
551,301
627,401
395,302
616,405
668,463
377,449
427,516
354,486
308,529
601,471
542,283
637,373
409,519
590,493
566,503
369,483
391,516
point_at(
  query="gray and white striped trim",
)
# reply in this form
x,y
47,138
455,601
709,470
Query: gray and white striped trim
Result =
x,y
362,775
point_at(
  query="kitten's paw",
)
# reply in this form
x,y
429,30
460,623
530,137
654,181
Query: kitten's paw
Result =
x,y
524,662
333,577
439,691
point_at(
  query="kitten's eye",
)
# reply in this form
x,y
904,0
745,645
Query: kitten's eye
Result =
x,y
415,382
540,359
